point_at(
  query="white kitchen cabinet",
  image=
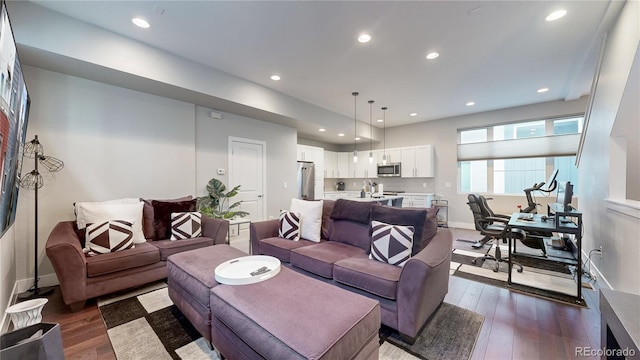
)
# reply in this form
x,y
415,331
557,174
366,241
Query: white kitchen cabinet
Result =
x,y
417,200
394,155
417,161
343,165
330,164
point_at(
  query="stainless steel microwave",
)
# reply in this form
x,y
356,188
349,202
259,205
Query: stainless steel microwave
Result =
x,y
392,169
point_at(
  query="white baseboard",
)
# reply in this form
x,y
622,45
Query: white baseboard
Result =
x,y
461,225
45,280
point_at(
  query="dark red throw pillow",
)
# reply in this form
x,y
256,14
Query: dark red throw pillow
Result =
x,y
148,218
162,215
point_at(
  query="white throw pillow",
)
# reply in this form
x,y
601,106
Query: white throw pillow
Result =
x,y
109,236
94,212
186,225
80,206
310,218
391,244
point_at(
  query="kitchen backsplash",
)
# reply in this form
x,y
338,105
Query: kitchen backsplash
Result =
x,y
419,185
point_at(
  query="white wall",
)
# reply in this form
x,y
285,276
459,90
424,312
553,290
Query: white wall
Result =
x,y
617,232
212,153
114,143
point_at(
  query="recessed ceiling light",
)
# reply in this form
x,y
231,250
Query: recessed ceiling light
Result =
x,y
356,139
470,103
433,55
556,15
380,120
413,114
341,134
322,129
138,21
543,90
275,77
364,38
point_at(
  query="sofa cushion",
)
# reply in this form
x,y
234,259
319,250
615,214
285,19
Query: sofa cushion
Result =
x,y
391,243
319,258
109,236
310,218
162,211
352,211
369,275
403,216
327,208
352,233
186,225
168,247
280,248
142,254
147,215
430,227
289,225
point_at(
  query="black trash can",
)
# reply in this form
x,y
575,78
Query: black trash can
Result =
x,y
40,341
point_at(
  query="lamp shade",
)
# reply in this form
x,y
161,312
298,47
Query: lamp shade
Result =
x,y
50,163
32,148
32,180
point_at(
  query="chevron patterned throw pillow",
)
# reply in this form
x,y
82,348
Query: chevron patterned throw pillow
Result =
x,y
391,243
186,225
109,236
289,226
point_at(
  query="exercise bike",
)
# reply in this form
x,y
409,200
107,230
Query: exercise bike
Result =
x,y
532,206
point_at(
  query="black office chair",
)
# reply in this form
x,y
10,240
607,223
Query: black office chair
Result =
x,y
492,226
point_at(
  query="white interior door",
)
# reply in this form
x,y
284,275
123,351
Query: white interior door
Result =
x,y
247,169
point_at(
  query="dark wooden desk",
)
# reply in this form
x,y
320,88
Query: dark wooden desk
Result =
x,y
554,223
619,325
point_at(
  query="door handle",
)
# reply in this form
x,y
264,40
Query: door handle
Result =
x,y
259,196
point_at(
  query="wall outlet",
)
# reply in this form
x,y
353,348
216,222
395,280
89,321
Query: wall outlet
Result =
x,y
593,276
601,251
447,184
285,185
424,185
221,171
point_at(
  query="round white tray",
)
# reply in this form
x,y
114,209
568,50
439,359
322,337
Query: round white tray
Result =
x,y
239,271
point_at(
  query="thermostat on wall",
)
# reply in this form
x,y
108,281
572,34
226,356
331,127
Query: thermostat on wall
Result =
x,y
221,171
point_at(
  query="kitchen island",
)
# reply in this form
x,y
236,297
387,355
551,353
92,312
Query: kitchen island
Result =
x,y
384,200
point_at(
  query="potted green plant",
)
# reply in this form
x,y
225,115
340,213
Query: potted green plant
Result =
x,y
216,204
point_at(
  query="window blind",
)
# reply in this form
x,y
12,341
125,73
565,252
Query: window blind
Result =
x,y
545,146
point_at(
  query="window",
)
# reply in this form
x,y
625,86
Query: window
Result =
x,y
508,158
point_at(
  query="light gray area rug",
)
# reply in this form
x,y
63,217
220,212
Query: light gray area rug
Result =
x,y
144,324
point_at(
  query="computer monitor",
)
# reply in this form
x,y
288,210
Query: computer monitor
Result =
x,y
565,194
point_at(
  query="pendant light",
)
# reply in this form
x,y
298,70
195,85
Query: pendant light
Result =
x,y
355,124
370,132
384,136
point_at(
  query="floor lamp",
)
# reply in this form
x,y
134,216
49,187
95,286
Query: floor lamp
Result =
x,y
34,181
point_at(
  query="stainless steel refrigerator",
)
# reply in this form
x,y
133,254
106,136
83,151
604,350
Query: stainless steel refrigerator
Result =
x,y
306,180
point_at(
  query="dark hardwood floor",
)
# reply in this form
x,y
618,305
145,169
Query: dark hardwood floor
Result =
x,y
516,326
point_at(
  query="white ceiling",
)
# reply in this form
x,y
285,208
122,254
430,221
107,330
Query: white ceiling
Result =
x,y
495,53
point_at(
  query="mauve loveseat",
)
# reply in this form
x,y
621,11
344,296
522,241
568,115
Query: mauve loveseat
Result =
x,y
408,295
83,277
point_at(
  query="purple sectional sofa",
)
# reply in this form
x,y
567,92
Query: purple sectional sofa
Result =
x,y
84,277
407,295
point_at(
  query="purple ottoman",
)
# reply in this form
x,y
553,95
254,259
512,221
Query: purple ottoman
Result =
x,y
191,276
292,316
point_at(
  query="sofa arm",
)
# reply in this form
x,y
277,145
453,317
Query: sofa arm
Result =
x,y
423,283
69,262
262,230
216,229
